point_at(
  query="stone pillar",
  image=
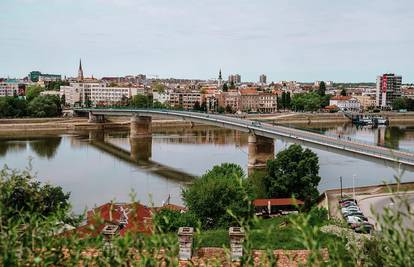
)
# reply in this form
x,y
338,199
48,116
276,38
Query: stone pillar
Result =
x,y
236,243
185,239
141,148
140,126
260,150
93,118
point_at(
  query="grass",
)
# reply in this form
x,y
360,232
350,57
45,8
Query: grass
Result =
x,y
273,233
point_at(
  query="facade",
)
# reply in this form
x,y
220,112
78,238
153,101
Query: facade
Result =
x,y
162,97
249,100
235,78
11,87
185,99
262,79
230,99
366,101
267,102
97,93
388,89
36,76
345,103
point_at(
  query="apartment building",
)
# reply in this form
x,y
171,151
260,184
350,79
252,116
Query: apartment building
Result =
x,y
12,87
345,103
185,99
366,101
230,99
253,101
388,89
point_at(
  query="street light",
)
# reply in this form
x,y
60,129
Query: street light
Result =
x,y
353,184
340,180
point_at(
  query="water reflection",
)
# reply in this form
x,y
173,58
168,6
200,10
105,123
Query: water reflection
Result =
x,y
46,147
11,146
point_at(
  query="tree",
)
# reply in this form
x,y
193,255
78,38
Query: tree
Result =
x,y
158,87
44,106
141,101
399,103
225,88
294,172
220,189
229,109
322,88
32,92
21,193
196,106
306,102
287,100
232,85
343,92
12,107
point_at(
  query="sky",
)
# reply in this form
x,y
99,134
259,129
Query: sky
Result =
x,y
302,40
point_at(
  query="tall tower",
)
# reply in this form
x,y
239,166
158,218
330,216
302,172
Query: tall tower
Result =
x,y
80,71
220,79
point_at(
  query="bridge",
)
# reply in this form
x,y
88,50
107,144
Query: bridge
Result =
x,y
261,135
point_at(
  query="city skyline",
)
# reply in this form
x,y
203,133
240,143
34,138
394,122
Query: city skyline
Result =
x,y
343,42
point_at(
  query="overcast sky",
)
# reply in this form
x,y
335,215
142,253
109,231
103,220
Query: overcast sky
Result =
x,y
301,40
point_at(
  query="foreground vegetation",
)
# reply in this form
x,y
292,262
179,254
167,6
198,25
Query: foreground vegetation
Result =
x,y
33,217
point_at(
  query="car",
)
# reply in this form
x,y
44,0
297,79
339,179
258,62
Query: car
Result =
x,y
353,213
365,228
355,219
347,199
349,209
347,203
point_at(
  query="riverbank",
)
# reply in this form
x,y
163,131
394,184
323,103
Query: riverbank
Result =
x,y
314,118
55,124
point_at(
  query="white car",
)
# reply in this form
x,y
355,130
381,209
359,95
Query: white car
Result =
x,y
348,209
354,219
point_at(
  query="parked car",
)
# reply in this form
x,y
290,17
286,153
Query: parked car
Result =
x,y
364,228
349,209
356,219
353,213
348,203
347,199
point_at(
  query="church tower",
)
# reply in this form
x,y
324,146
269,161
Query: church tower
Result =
x,y
80,71
220,79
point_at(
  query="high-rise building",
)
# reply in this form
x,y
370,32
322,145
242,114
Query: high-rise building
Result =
x,y
235,78
388,89
263,79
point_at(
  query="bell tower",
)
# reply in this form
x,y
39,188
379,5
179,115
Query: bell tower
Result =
x,y
80,71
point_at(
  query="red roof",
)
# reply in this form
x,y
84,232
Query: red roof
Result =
x,y
341,97
139,219
277,202
248,91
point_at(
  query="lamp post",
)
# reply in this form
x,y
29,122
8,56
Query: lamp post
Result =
x,y
353,185
340,180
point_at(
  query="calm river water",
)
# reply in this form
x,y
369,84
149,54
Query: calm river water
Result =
x,y
97,167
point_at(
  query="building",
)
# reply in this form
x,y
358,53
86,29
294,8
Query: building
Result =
x,y
249,100
345,103
366,101
267,102
235,78
263,79
162,97
12,87
185,99
97,93
80,71
36,76
388,89
219,80
230,99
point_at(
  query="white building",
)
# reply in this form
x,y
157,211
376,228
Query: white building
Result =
x,y
345,103
162,97
97,93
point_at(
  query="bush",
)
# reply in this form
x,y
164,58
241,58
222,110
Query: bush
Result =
x,y
167,220
221,189
44,106
12,107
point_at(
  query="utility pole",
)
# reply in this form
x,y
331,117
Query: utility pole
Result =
x,y
340,180
353,185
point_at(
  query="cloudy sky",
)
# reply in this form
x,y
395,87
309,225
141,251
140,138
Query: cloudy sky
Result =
x,y
299,40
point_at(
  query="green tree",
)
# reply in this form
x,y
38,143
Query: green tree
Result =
x,y
232,85
294,172
32,92
288,100
197,106
225,88
399,103
229,109
322,88
220,189
141,101
21,193
44,106
159,87
12,107
343,92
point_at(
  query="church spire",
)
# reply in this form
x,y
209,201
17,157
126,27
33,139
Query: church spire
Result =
x,y
220,79
80,71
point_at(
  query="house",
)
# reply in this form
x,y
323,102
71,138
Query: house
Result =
x,y
345,103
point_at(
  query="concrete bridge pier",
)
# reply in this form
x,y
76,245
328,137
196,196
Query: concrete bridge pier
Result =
x,y
94,118
140,138
97,136
140,126
260,150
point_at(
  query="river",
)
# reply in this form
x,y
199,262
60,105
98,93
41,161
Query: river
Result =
x,y
97,167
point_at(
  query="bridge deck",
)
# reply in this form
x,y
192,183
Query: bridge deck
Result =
x,y
267,130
